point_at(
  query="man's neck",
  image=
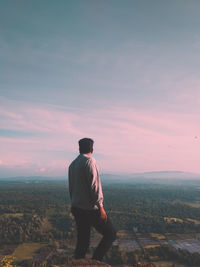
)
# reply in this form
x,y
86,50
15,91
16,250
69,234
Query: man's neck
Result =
x,y
87,154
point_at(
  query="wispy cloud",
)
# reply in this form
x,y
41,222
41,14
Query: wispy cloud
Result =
x,y
126,75
132,73
126,139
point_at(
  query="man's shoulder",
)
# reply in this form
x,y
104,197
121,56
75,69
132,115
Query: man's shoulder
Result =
x,y
91,160
74,161
83,159
91,163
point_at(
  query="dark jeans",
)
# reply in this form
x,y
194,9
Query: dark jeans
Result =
x,y
85,219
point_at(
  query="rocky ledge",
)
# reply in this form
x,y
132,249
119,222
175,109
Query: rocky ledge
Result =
x,y
84,263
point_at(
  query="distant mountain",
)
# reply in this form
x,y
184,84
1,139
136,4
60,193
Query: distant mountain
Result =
x,y
168,175
32,178
106,177
155,176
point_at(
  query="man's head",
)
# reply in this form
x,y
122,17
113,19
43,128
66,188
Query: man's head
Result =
x,y
86,145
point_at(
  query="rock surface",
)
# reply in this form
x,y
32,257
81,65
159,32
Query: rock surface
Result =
x,y
85,263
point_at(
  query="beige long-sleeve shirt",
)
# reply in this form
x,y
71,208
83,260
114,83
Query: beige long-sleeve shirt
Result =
x,y
84,183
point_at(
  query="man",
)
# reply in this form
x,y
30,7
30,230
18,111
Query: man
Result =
x,y
87,202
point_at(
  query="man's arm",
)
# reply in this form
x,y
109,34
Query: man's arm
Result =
x,y
69,183
95,186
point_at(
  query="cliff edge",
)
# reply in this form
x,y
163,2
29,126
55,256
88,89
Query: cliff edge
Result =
x,y
84,263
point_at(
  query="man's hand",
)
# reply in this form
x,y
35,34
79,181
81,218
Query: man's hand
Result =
x,y
103,214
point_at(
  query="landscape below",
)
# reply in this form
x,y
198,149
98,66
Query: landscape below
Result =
x,y
157,221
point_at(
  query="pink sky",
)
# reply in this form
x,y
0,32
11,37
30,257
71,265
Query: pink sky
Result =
x,y
125,73
126,140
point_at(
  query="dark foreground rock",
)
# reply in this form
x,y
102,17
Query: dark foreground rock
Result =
x,y
85,263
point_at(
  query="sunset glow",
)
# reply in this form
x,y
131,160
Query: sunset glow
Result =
x,y
120,74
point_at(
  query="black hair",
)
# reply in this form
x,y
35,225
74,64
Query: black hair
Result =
x,y
85,145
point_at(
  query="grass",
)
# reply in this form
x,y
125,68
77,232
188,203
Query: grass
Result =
x,y
193,204
46,225
171,219
165,264
158,236
12,215
123,233
194,221
26,251
152,246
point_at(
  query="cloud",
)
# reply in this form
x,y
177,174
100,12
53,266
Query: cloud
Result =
x,y
128,73
36,118
42,169
126,139
133,87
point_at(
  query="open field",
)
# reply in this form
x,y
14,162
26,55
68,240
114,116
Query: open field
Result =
x,y
170,219
189,242
190,245
157,236
127,243
194,221
26,250
193,204
167,264
153,221
7,215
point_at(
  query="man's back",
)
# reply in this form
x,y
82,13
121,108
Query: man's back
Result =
x,y
84,183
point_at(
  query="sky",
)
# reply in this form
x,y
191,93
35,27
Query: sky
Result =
x,y
125,73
